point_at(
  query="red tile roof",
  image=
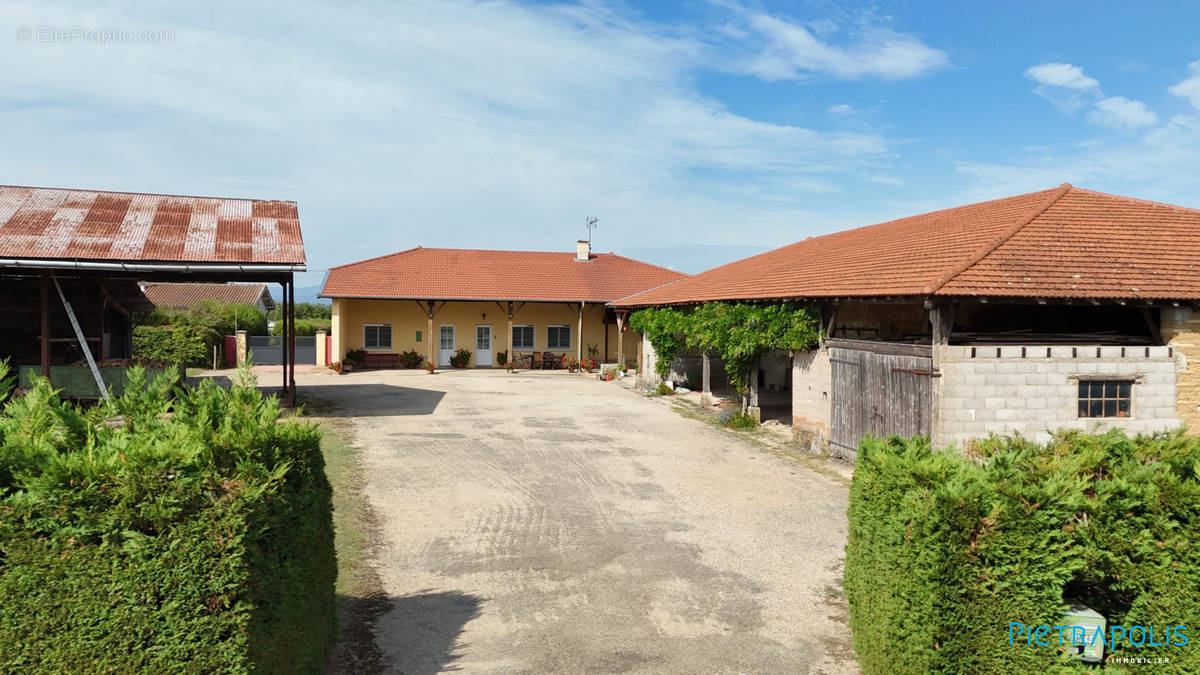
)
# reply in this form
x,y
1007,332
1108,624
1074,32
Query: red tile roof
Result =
x,y
182,296
1060,243
462,274
53,223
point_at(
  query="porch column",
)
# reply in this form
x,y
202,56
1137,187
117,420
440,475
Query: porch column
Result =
x,y
45,326
432,337
705,379
579,347
511,356
621,337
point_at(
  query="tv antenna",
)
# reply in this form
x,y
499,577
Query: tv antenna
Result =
x,y
591,225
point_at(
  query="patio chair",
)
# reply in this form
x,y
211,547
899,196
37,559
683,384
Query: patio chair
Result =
x,y
552,360
536,361
522,360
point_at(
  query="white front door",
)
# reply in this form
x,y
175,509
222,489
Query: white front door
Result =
x,y
483,346
445,345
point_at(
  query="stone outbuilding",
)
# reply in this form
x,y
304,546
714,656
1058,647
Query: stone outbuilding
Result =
x,y
1064,308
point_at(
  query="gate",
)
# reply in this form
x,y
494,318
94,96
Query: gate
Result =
x,y
267,350
879,389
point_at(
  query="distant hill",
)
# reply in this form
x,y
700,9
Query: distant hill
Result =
x,y
309,294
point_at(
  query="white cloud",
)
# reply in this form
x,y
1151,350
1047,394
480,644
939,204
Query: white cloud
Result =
x,y
841,109
1189,88
1118,112
467,124
1064,85
1061,75
791,52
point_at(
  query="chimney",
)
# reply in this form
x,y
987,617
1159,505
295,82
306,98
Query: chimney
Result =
x,y
583,250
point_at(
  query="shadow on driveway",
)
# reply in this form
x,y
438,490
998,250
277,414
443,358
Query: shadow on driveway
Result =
x,y
384,400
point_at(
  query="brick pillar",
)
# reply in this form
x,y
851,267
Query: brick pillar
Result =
x,y
1181,330
241,347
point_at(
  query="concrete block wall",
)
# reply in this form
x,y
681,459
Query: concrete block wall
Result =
x,y
1034,389
1181,330
812,414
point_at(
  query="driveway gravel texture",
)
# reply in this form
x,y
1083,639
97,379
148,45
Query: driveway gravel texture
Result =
x,y
548,522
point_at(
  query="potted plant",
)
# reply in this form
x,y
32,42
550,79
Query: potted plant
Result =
x,y
354,359
588,365
411,359
336,367
502,358
623,369
461,358
571,364
607,377
428,366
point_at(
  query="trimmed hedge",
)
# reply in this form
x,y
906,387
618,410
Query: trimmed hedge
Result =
x,y
187,344
197,541
945,549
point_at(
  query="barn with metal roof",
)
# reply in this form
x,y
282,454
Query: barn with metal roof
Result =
x,y
67,252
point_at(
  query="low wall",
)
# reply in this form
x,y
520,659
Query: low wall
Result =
x,y
1033,389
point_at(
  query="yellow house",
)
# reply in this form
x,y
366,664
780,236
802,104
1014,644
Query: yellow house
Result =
x,y
494,304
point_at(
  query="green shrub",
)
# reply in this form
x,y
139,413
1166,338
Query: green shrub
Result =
x,y
188,344
741,420
945,550
199,541
411,359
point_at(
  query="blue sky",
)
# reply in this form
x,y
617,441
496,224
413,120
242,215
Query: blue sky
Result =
x,y
698,132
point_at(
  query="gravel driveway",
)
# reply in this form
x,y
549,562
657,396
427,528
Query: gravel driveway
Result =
x,y
545,522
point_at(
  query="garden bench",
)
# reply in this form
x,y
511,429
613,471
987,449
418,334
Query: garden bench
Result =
x,y
381,360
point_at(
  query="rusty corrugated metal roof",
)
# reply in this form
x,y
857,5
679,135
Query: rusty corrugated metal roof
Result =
x,y
184,295
93,225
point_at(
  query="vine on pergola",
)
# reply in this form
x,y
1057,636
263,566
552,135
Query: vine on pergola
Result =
x,y
740,333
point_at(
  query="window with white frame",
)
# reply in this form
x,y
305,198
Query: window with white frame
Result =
x,y
558,337
377,336
522,337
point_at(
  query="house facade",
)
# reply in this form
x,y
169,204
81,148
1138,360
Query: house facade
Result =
x,y
436,301
1058,309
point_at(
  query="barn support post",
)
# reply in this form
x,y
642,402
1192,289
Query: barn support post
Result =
x,y
45,325
291,359
621,336
283,352
705,379
753,410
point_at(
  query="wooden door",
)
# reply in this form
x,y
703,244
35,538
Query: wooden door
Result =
x,y
879,389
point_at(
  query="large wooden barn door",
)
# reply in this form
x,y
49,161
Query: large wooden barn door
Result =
x,y
879,389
